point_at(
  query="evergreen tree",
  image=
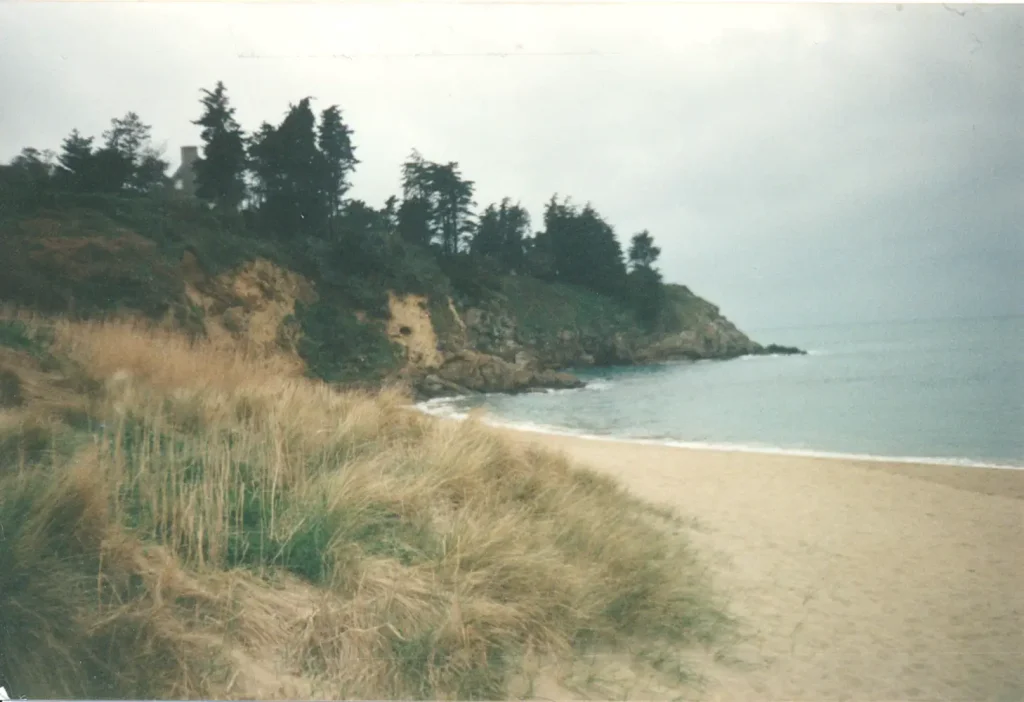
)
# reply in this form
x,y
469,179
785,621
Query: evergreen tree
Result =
x,y
111,172
584,248
601,265
36,166
414,216
416,183
390,214
645,285
454,197
220,173
539,261
361,221
335,143
302,165
127,161
416,211
561,236
127,136
289,170
262,162
77,169
488,238
151,172
437,204
642,251
501,235
28,173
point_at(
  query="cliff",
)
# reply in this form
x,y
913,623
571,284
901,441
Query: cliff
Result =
x,y
529,328
394,317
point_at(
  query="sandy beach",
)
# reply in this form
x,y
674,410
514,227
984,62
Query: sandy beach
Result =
x,y
855,580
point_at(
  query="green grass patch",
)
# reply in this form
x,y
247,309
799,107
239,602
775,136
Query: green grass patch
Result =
x,y
262,526
338,347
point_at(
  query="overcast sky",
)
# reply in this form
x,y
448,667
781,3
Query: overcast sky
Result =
x,y
801,164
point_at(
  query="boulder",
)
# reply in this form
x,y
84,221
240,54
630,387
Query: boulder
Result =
x,y
432,386
557,380
777,350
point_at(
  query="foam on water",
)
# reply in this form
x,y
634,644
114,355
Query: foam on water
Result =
x,y
444,408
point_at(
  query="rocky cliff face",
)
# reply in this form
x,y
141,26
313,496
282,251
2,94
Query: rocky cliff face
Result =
x,y
523,338
451,362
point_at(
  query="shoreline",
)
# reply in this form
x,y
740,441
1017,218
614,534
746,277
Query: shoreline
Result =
x,y
852,579
770,351
939,462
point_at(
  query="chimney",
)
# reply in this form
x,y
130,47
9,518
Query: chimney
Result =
x,y
185,177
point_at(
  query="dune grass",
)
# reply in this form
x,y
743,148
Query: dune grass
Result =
x,y
218,526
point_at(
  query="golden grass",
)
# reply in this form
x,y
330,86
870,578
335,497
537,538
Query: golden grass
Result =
x,y
226,529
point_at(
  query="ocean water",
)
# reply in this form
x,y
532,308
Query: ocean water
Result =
x,y
949,391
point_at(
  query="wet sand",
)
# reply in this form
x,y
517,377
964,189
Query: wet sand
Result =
x,y
856,580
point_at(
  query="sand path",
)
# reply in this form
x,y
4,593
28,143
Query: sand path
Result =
x,y
857,580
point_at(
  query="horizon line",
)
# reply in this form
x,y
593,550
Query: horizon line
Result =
x,y
912,320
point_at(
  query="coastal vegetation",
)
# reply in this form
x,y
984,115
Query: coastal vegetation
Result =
x,y
184,519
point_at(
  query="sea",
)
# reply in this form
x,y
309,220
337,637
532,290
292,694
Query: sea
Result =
x,y
937,391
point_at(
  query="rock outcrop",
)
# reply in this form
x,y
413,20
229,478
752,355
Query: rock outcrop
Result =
x,y
481,372
715,338
776,350
499,350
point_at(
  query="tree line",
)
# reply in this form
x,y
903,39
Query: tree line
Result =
x,y
290,180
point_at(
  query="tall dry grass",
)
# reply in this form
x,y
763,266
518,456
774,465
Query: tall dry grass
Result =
x,y
226,528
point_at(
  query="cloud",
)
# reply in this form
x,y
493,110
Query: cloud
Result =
x,y
797,164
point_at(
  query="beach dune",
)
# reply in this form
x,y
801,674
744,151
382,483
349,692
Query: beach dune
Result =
x,y
853,580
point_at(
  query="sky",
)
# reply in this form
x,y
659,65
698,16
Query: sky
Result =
x,y
798,164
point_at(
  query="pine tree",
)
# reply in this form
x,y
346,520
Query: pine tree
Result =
x,y
437,204
454,206
538,260
289,170
488,238
127,136
584,248
29,172
77,169
601,263
645,285
150,173
220,173
416,178
414,221
642,251
501,235
127,161
262,160
339,160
